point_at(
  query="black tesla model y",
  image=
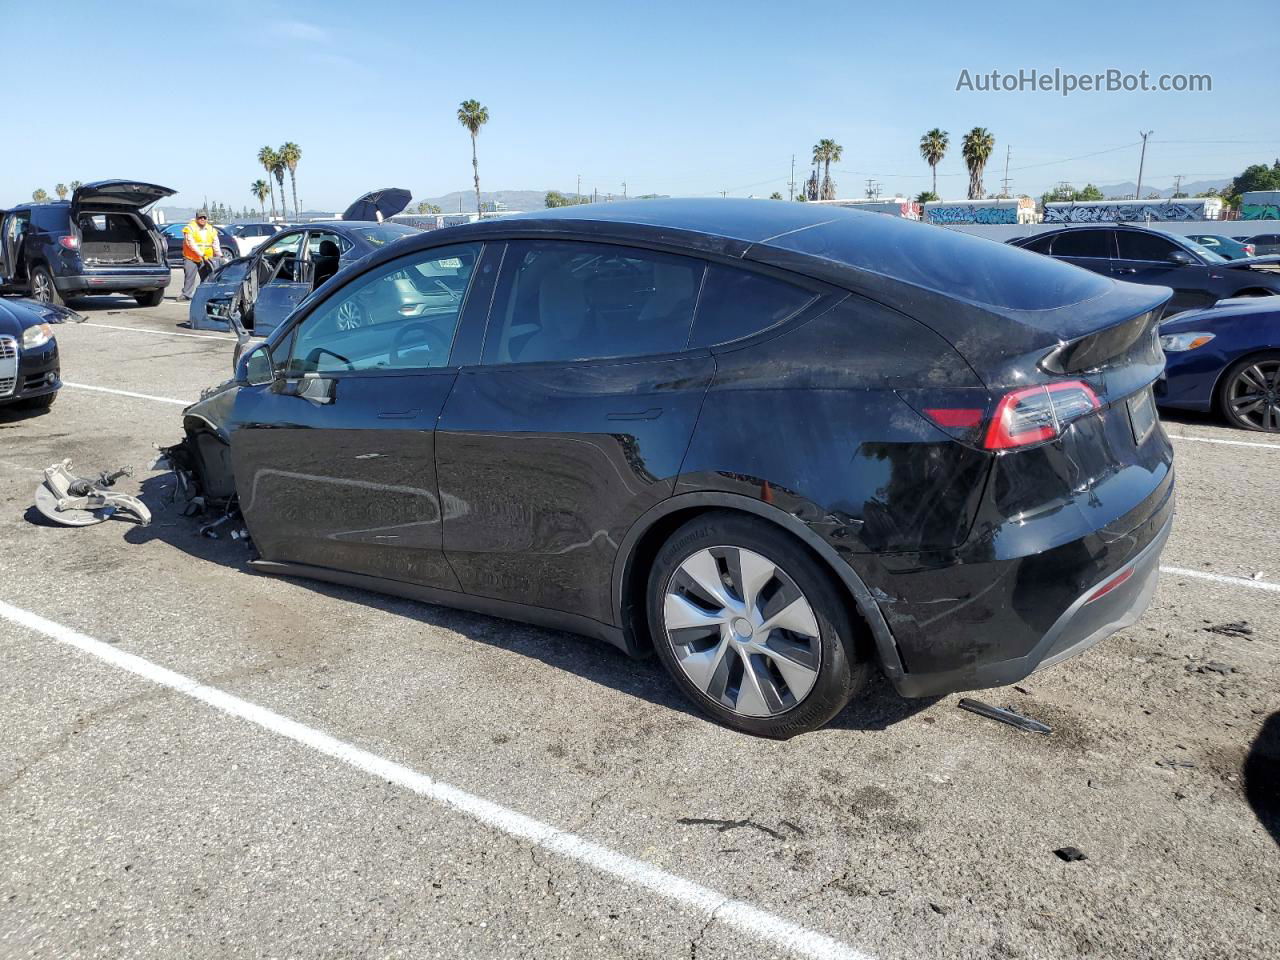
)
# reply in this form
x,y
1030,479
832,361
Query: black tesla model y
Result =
x,y
777,444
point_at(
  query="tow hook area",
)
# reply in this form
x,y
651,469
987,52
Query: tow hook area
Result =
x,y
72,501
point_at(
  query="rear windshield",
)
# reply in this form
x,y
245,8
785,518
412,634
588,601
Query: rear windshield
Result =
x,y
948,262
386,232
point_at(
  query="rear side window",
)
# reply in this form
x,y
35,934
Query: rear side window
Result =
x,y
560,300
736,303
1039,244
54,218
1144,246
1083,243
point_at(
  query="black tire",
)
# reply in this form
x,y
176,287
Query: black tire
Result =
x,y
43,402
149,298
1241,382
842,663
42,287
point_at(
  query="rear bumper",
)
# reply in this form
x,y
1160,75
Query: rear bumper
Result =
x,y
114,281
1021,621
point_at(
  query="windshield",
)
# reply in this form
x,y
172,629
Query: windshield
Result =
x,y
385,233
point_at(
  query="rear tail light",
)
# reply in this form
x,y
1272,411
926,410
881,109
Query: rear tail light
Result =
x,y
1248,249
1110,585
1036,414
70,243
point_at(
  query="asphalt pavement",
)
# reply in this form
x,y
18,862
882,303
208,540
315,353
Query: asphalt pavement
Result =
x,y
197,760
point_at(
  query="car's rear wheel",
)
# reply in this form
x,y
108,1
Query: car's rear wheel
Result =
x,y
149,298
751,627
42,288
1249,394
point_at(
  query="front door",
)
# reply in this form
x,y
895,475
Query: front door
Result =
x,y
1144,258
280,281
574,423
335,460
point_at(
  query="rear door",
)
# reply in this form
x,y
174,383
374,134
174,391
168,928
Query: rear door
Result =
x,y
1144,258
574,422
1090,248
334,460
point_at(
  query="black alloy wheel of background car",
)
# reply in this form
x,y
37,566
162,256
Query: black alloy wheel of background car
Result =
x,y
1250,392
776,444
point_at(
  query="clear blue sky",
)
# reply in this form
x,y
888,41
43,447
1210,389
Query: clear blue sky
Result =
x,y
680,98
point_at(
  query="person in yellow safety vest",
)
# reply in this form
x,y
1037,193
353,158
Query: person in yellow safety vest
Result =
x,y
200,247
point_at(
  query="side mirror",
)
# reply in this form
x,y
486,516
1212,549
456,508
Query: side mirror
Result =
x,y
1180,258
256,367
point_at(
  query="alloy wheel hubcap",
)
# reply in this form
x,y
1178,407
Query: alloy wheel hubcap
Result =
x,y
1255,395
742,631
42,289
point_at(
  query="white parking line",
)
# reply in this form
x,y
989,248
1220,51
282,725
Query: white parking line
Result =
x,y
127,393
714,905
157,333
1230,443
1222,578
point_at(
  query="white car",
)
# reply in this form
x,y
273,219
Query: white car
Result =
x,y
250,236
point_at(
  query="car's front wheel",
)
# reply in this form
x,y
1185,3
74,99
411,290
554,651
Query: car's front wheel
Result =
x,y
149,298
751,626
1250,392
42,288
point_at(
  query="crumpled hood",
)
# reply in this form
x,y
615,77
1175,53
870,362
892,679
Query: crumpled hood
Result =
x,y
18,313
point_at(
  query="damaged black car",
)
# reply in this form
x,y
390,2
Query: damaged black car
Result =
x,y
776,445
29,365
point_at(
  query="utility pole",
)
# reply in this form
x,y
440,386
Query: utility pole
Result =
x,y
1177,185
791,184
1005,182
624,189
577,194
724,193
1141,162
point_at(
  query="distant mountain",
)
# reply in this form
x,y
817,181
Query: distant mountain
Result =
x,y
465,200
1115,190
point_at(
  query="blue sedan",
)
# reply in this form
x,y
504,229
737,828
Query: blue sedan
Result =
x,y
1225,358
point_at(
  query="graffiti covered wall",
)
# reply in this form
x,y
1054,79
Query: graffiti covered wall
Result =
x,y
1260,211
970,213
1124,212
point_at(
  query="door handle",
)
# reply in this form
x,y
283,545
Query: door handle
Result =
x,y
1125,270
653,413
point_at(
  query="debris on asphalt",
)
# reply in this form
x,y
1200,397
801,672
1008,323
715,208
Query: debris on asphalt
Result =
x,y
1238,628
1004,715
939,908
1211,666
72,501
1070,854
724,826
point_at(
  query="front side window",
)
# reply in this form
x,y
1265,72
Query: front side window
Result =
x,y
737,303
1083,243
560,300
394,318
1145,246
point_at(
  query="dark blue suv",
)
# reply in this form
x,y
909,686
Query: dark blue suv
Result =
x,y
99,241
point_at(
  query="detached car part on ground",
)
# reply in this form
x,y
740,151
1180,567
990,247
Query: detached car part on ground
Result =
x,y
257,292
773,443
29,366
1225,360
99,241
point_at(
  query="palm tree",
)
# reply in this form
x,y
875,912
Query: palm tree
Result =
x,y
61,190
814,185
933,147
277,171
832,152
260,188
473,116
978,144
290,154
75,185
268,158
39,196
